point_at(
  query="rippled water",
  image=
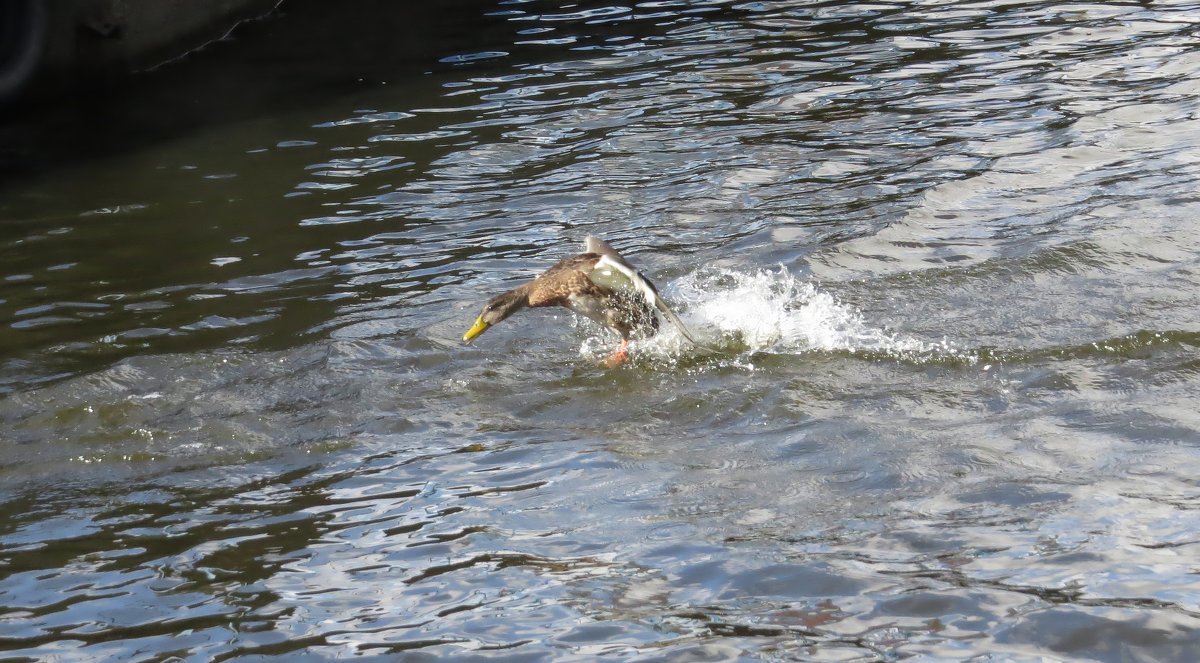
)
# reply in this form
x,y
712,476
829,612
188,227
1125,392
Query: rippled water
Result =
x,y
944,258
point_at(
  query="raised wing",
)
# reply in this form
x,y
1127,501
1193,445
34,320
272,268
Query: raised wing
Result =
x,y
613,267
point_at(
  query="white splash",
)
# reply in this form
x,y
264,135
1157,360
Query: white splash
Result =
x,y
766,311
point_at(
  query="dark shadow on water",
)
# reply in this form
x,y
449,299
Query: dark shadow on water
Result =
x,y
305,51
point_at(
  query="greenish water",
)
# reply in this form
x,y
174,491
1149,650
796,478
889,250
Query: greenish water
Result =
x,y
946,256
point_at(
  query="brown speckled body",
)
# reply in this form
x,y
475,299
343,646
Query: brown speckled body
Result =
x,y
567,284
598,284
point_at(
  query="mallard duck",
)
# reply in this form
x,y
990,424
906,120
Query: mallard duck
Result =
x,y
598,284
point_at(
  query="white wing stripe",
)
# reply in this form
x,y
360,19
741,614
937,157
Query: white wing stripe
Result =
x,y
636,279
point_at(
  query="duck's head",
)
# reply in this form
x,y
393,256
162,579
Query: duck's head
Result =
x,y
498,308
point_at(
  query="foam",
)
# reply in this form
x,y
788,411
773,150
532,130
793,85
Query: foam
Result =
x,y
769,311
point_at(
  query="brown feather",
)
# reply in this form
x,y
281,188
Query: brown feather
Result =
x,y
564,279
569,284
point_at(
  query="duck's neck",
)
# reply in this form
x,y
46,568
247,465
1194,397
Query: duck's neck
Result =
x,y
516,299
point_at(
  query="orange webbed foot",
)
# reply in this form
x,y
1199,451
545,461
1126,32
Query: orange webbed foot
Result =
x,y
620,356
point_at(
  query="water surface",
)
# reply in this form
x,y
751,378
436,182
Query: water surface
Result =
x,y
944,258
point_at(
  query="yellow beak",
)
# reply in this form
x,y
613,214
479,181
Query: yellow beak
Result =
x,y
479,328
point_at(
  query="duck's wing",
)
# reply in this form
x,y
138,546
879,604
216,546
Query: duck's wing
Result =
x,y
612,270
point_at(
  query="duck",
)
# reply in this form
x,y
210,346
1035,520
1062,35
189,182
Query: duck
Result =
x,y
598,284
